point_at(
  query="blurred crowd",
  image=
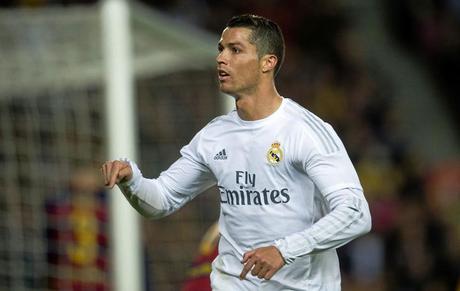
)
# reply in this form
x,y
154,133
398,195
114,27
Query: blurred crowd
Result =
x,y
430,30
42,3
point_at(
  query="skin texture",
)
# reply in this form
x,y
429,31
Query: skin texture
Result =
x,y
250,80
115,172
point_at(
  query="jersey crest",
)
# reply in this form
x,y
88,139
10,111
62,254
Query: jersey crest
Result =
x,y
275,154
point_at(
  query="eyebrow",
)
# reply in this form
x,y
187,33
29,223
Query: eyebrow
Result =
x,y
232,44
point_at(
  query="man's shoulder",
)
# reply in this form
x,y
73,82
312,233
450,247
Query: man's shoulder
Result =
x,y
312,125
226,120
297,111
300,114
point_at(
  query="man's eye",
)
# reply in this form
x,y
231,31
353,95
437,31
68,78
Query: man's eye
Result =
x,y
236,50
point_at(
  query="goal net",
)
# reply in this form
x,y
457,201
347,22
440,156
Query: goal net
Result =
x,y
54,220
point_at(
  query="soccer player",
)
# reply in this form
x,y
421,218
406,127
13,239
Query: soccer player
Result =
x,y
289,194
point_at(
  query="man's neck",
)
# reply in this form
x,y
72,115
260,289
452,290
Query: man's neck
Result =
x,y
259,105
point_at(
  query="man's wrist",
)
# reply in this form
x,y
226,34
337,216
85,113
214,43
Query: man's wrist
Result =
x,y
130,186
281,245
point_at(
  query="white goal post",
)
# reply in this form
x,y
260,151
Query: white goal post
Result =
x,y
121,141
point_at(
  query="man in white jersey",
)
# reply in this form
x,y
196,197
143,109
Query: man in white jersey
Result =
x,y
289,193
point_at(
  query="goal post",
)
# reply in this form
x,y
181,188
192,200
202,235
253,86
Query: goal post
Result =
x,y
126,248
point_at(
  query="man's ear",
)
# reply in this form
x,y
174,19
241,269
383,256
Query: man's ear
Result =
x,y
269,63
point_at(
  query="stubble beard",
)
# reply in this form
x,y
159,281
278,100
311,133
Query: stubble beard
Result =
x,y
238,92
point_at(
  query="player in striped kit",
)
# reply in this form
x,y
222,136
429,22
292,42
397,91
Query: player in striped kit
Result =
x,y
289,193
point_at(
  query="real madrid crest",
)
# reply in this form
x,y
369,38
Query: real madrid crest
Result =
x,y
275,154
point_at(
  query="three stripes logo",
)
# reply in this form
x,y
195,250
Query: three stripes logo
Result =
x,y
222,155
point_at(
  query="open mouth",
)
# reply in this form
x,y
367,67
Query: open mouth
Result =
x,y
223,75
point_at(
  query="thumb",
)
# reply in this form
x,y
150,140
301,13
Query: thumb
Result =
x,y
125,173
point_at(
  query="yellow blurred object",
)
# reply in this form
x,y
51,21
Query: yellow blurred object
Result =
x,y
210,239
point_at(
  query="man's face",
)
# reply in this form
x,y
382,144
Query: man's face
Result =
x,y
238,64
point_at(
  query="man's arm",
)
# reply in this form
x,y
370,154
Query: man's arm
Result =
x,y
337,182
180,183
335,177
159,197
349,218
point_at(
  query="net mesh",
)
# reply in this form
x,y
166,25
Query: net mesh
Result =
x,y
44,140
173,108
53,212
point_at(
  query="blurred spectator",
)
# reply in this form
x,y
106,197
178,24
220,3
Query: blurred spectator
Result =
x,y
200,270
416,251
77,235
443,199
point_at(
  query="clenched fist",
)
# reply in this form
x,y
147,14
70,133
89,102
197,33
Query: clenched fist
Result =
x,y
115,172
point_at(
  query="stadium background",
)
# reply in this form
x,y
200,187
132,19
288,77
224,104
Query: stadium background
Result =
x,y
383,73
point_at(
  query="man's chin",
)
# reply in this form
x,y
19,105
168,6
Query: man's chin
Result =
x,y
225,90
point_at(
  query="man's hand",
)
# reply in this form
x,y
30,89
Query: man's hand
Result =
x,y
116,171
264,262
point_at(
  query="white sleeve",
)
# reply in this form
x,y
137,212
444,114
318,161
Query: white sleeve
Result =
x,y
329,170
183,181
335,177
349,218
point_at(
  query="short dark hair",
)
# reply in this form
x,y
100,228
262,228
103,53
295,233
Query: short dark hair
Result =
x,y
266,35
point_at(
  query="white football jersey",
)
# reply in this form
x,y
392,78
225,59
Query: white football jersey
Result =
x,y
278,178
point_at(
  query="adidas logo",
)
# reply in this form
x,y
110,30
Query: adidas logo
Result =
x,y
221,155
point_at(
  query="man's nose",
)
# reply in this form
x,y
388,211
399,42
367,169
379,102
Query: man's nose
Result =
x,y
220,58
